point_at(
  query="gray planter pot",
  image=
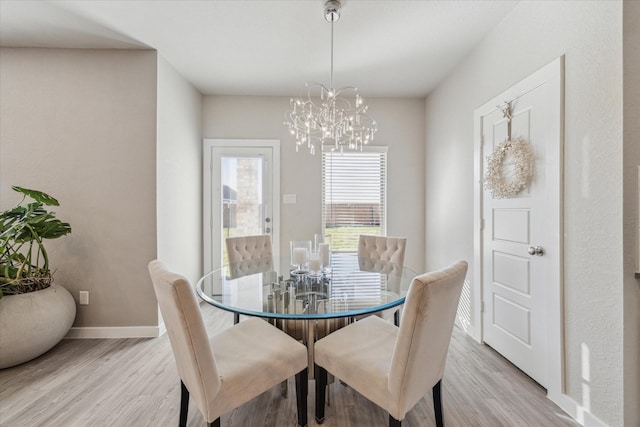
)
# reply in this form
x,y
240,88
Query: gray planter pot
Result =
x,y
32,323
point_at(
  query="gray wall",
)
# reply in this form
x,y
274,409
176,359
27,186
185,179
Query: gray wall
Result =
x,y
179,175
401,127
81,125
631,60
589,34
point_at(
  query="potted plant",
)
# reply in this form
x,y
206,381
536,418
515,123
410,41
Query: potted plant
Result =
x,y
35,314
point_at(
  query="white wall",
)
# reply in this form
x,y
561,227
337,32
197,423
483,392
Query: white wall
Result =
x,y
81,125
631,52
401,127
532,35
179,174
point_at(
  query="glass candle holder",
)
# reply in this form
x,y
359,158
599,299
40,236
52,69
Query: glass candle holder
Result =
x,y
315,267
322,245
324,252
318,239
300,250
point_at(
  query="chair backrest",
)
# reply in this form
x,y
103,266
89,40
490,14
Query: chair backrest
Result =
x,y
422,344
249,255
382,254
382,248
187,334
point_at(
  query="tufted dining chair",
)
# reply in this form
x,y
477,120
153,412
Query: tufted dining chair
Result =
x,y
382,254
395,367
249,255
224,371
381,248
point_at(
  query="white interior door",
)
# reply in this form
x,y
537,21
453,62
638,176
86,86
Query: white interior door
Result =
x,y
521,285
241,194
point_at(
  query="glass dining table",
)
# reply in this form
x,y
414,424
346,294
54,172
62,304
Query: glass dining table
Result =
x,y
307,305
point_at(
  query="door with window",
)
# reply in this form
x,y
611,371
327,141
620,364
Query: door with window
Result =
x,y
241,193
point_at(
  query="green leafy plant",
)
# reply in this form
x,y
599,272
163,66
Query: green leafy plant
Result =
x,y
24,262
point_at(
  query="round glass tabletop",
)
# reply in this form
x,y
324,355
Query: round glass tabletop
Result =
x,y
266,287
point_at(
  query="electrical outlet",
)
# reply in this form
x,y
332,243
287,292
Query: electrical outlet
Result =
x,y
84,297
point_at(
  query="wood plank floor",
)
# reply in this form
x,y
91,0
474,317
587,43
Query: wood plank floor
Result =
x,y
133,382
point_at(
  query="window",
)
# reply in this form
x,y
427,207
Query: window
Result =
x,y
354,196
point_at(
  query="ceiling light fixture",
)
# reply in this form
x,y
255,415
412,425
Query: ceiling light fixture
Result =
x,y
337,118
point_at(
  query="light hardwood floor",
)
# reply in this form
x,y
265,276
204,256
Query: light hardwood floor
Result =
x,y
133,382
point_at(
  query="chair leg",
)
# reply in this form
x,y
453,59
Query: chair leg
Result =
x,y
437,403
215,423
396,317
321,385
184,405
236,318
393,422
302,391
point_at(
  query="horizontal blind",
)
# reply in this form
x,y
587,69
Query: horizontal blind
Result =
x,y
357,287
354,189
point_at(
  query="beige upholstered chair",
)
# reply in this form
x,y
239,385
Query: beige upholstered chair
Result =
x,y
381,248
232,367
248,255
383,254
395,367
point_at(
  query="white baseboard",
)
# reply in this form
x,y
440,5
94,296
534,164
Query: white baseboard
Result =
x,y
116,332
575,411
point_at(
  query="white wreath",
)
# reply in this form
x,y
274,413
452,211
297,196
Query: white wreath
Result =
x,y
519,150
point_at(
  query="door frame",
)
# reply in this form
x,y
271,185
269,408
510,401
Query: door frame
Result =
x,y
207,217
553,75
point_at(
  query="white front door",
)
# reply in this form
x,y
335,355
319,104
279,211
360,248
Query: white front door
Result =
x,y
241,194
520,242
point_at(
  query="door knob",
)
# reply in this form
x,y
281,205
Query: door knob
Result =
x,y
536,250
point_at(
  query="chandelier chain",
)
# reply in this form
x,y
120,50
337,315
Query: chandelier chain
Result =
x,y
331,81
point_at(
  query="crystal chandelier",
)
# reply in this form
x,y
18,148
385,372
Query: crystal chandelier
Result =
x,y
329,117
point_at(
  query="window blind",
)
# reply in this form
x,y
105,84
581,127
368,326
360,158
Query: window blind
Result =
x,y
354,193
358,288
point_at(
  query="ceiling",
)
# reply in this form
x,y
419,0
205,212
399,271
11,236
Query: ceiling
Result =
x,y
261,47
